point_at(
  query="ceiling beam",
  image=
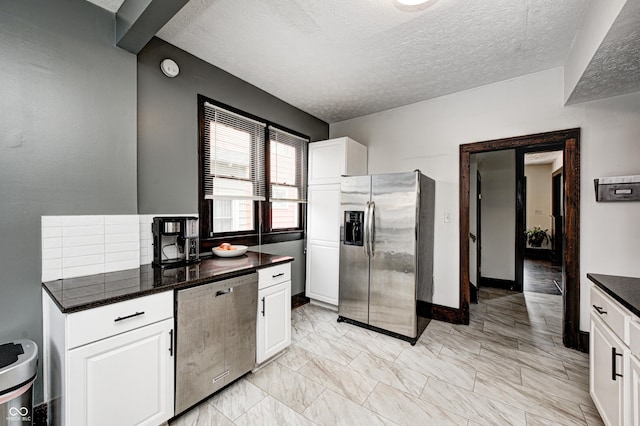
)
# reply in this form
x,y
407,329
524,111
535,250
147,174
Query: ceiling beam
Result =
x,y
137,21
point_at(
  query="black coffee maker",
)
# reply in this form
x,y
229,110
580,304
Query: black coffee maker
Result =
x,y
175,241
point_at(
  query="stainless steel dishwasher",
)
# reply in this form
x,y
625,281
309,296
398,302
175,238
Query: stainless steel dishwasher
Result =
x,y
215,337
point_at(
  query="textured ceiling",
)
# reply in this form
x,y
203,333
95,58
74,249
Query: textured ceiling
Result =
x,y
534,158
341,59
338,60
615,68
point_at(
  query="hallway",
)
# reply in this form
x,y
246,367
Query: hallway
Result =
x,y
539,276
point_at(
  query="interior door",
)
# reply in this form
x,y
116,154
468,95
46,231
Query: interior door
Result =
x,y
392,304
353,301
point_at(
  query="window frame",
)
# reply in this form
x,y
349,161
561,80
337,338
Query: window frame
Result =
x,y
262,232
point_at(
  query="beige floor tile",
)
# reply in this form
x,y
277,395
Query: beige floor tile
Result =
x,y
480,409
400,377
287,386
339,379
405,409
328,348
295,357
454,341
332,409
563,388
459,375
270,411
502,368
388,350
529,400
237,399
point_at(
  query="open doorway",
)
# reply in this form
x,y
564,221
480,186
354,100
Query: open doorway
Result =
x,y
543,219
568,142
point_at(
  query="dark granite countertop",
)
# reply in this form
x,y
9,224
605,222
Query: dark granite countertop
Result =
x,y
78,294
625,290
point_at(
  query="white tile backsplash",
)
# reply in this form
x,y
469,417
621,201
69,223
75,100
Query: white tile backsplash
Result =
x,y
80,245
82,231
84,220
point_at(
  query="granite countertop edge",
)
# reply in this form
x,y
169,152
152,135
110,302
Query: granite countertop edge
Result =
x,y
624,290
209,278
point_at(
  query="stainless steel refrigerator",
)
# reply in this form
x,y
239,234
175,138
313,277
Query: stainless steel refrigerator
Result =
x,y
386,252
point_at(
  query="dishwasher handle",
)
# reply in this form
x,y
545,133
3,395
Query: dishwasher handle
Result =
x,y
223,292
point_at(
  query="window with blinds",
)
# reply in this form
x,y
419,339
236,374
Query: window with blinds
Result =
x,y
234,161
287,167
252,178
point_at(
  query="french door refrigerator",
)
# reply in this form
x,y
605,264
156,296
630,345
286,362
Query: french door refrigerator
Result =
x,y
386,252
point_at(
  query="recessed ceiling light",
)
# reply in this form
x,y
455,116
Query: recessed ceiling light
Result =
x,y
412,2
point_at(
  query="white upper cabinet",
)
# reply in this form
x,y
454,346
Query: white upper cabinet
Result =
x,y
330,159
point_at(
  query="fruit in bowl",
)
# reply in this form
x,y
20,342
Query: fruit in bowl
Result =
x,y
228,250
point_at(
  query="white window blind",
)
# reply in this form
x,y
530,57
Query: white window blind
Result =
x,y
288,163
234,156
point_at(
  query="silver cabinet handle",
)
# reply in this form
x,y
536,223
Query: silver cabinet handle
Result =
x,y
137,314
263,307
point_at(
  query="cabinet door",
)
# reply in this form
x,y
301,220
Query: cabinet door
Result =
x,y
326,161
323,261
123,380
606,389
634,390
274,320
323,213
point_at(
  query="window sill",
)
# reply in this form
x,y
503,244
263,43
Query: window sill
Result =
x,y
251,240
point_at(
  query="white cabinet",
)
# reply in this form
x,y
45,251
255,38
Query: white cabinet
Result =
x,y
614,363
328,161
274,311
110,365
123,380
606,362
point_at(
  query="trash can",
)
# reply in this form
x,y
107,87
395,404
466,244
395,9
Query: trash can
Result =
x,y
18,368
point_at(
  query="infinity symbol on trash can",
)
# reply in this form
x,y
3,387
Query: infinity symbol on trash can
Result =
x,y
22,411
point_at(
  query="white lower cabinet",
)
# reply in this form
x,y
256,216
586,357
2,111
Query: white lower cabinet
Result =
x,y
111,365
274,311
607,356
323,270
123,380
634,390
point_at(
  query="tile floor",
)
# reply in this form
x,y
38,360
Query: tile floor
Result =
x,y
507,367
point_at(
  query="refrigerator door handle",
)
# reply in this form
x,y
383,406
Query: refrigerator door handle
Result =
x,y
371,224
365,230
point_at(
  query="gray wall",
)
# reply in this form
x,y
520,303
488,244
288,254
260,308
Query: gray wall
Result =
x,y
168,132
67,138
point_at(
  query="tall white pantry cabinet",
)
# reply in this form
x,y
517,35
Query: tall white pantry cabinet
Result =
x,y
328,161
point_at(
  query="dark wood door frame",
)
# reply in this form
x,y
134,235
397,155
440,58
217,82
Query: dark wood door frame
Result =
x,y
570,142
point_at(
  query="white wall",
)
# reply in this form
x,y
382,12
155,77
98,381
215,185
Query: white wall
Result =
x,y
427,136
539,197
498,214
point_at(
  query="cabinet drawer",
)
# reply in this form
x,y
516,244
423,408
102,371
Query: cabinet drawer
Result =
x,y
609,311
98,323
274,275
